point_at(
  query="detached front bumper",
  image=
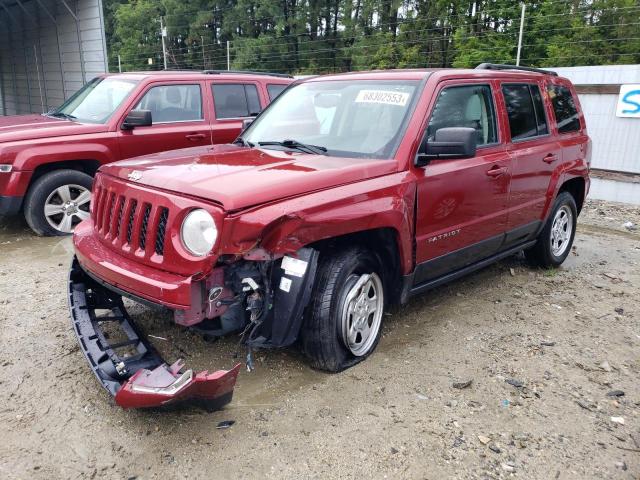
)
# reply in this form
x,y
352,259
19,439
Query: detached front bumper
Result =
x,y
142,378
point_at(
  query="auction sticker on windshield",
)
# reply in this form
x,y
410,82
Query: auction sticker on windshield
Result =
x,y
382,96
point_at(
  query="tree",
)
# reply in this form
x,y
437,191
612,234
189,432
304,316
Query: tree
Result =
x,y
319,36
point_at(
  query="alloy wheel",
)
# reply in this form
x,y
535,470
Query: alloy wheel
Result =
x,y
362,313
67,206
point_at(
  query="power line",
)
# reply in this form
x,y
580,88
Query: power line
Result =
x,y
217,53
429,39
479,13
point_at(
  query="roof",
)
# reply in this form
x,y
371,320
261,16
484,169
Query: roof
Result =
x,y
416,74
423,73
201,74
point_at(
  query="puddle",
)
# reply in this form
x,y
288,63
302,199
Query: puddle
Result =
x,y
276,373
17,238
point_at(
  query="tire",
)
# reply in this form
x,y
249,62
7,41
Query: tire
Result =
x,y
552,249
67,192
324,339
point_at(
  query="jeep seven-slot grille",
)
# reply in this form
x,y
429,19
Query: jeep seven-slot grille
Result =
x,y
118,219
162,226
145,224
132,216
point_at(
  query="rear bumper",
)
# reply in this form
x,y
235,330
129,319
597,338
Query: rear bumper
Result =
x,y
10,205
150,284
141,379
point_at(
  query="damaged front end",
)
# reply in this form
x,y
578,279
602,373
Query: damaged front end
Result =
x,y
140,378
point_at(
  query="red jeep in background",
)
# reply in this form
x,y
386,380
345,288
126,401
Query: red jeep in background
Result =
x,y
47,161
347,194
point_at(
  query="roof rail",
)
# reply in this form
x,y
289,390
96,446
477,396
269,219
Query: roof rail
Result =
x,y
246,72
498,66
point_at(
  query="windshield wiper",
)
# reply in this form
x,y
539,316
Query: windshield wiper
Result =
x,y
243,142
61,115
303,147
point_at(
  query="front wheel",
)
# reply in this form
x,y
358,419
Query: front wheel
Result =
x,y
57,202
343,322
555,240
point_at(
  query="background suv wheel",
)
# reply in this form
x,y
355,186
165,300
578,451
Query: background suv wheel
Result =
x,y
555,240
57,202
344,318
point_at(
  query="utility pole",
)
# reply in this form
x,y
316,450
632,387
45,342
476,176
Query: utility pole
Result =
x,y
204,60
163,33
520,36
119,64
228,57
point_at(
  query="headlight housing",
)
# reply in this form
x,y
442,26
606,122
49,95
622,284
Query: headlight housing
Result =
x,y
199,232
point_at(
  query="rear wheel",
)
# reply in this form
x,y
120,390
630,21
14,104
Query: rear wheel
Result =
x,y
343,322
57,202
555,240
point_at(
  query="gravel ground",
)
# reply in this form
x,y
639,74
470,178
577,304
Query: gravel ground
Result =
x,y
543,350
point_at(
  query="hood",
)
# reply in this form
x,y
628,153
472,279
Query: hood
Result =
x,y
239,177
30,127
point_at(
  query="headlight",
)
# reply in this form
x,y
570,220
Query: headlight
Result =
x,y
199,232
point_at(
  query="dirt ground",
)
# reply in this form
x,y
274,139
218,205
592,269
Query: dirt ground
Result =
x,y
543,350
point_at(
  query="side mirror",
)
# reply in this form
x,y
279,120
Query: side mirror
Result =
x,y
137,118
452,142
246,122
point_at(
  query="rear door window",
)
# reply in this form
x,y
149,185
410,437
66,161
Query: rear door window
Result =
x,y
275,90
538,105
525,110
236,100
465,106
172,103
564,107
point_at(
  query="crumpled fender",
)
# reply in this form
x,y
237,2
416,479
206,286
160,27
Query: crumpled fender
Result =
x,y
284,227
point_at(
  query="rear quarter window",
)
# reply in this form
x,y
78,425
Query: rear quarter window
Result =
x,y
275,90
564,107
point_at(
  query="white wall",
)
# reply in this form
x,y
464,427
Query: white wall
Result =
x,y
41,63
616,141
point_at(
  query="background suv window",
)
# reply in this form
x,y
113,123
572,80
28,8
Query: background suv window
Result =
x,y
173,103
565,109
275,90
465,106
236,100
525,110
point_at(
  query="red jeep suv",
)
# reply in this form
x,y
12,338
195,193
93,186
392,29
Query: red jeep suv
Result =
x,y
47,161
347,194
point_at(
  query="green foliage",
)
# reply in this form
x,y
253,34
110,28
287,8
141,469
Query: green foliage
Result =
x,y
318,36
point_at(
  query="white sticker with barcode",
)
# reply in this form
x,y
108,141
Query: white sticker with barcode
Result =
x,y
383,96
294,266
285,284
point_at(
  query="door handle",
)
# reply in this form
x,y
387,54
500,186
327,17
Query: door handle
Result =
x,y
195,136
550,158
496,171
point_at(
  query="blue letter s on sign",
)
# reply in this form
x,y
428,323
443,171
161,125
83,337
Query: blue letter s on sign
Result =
x,y
627,100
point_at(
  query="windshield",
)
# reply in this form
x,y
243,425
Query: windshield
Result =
x,y
347,118
97,100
